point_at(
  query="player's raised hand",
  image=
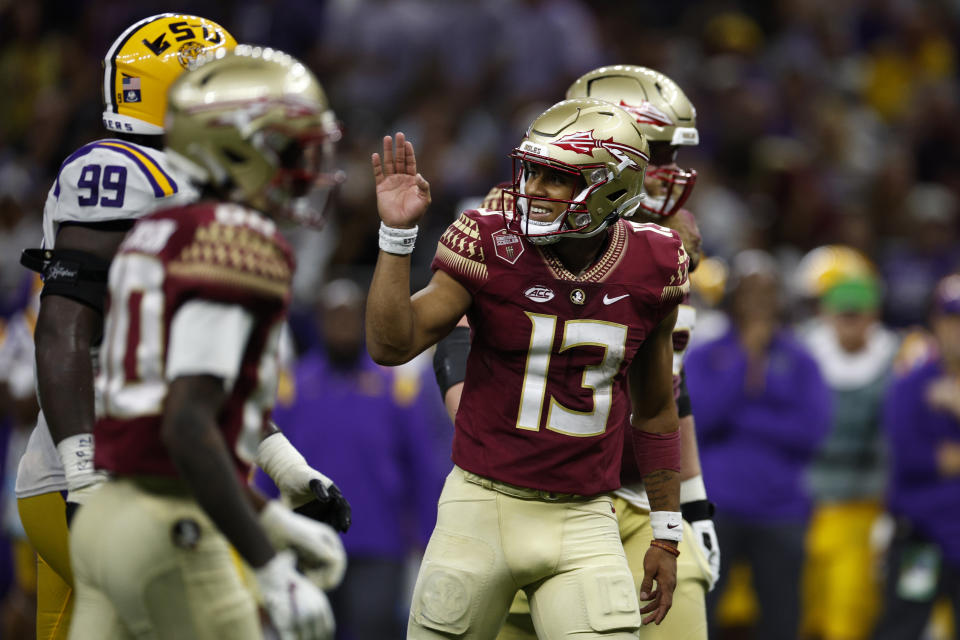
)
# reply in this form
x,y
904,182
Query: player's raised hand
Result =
x,y
403,195
659,566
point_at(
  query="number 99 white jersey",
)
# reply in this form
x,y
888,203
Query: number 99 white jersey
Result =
x,y
103,181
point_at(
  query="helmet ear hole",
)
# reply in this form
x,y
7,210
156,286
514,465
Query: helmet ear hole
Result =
x,y
616,195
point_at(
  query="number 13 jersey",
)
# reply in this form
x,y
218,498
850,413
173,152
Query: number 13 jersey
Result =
x,y
545,396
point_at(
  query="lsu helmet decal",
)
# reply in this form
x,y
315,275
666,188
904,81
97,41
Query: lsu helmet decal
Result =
x,y
144,61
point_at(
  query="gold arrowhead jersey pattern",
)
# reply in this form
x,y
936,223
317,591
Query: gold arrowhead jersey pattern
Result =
x,y
235,256
461,250
679,285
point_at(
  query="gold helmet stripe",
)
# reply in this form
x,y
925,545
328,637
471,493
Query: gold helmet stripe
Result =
x,y
110,61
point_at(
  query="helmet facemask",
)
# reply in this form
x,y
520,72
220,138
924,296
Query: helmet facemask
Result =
x,y
594,204
305,181
673,184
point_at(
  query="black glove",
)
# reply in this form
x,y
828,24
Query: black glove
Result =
x,y
329,507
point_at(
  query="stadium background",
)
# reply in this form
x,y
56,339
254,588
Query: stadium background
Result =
x,y
821,121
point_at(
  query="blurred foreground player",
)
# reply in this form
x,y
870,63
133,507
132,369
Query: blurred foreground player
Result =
x,y
189,373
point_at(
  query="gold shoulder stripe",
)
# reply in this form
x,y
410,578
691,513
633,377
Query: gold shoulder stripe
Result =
x,y
147,163
466,266
673,293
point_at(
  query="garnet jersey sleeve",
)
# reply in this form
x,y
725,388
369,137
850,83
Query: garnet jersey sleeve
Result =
x,y
111,180
460,252
671,262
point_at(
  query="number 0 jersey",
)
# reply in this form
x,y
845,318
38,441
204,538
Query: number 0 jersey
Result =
x,y
200,290
102,181
545,397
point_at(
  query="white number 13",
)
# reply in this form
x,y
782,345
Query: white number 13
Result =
x,y
612,337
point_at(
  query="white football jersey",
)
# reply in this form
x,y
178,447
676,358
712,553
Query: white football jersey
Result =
x,y
106,180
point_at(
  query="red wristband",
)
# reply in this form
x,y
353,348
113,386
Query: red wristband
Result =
x,y
654,451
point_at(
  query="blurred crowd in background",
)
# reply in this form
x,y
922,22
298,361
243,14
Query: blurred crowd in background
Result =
x,y
822,122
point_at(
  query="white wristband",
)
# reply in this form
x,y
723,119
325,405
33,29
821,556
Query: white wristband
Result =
x,y
76,455
692,489
397,241
667,525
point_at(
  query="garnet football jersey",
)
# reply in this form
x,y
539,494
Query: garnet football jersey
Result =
x,y
223,256
545,398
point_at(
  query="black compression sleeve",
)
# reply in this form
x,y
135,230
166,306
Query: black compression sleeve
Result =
x,y
450,359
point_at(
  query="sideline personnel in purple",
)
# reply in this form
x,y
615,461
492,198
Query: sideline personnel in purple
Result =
x,y
371,428
762,409
922,423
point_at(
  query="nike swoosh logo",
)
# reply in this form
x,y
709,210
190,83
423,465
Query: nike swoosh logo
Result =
x,y
608,300
672,526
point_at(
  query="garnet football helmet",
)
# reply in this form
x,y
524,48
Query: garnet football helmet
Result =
x,y
664,115
145,60
593,140
256,126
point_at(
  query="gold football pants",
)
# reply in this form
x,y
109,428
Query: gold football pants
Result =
x,y
687,618
492,539
44,520
152,564
841,591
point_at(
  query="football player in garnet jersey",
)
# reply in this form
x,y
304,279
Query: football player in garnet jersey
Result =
x,y
188,374
572,308
668,120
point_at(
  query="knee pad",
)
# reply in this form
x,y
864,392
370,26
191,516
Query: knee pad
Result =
x,y
455,571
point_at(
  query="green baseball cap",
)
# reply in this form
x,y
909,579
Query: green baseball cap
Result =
x,y
851,295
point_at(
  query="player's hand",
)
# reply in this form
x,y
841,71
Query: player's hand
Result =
x,y
403,195
659,566
303,488
298,609
706,536
328,505
318,548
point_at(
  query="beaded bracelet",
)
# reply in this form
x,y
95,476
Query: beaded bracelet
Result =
x,y
660,544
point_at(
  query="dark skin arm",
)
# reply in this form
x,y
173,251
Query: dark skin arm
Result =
x,y
193,439
655,411
65,331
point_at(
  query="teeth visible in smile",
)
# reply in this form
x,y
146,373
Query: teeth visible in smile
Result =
x,y
536,210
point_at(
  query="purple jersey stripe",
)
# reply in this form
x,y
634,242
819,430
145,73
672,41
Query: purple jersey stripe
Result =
x,y
156,165
82,151
157,189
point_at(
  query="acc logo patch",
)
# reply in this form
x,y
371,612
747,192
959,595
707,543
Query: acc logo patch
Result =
x,y
507,246
539,293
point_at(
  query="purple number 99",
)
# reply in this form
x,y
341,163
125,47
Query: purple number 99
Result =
x,y
114,185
